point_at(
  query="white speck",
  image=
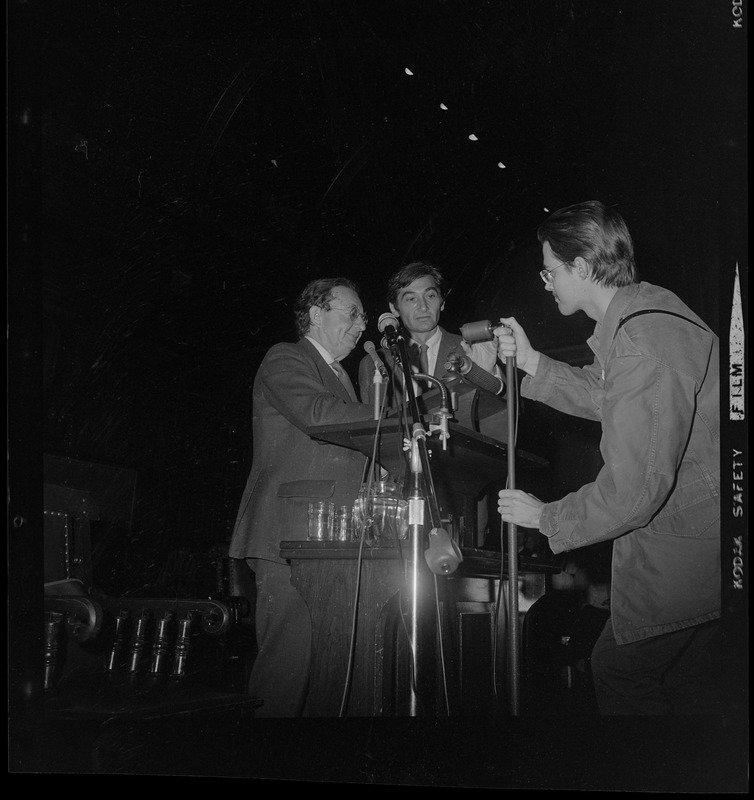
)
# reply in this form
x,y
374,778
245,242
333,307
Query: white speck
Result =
x,y
473,138
547,210
443,107
501,165
408,71
274,162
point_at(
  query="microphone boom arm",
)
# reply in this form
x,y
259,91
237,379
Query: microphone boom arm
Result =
x,y
445,412
397,345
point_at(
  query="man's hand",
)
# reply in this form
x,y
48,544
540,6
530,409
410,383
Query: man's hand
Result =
x,y
483,354
520,508
513,342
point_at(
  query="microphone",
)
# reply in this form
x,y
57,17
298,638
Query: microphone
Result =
x,y
443,555
460,364
478,331
380,375
378,365
387,323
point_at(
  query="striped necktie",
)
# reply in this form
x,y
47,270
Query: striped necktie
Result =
x,y
343,378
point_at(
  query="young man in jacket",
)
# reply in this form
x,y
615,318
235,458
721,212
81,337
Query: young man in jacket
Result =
x,y
654,388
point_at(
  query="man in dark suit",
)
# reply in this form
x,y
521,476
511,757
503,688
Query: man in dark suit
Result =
x,y
297,386
416,295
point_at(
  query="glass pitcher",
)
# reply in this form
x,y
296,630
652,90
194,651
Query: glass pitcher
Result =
x,y
381,512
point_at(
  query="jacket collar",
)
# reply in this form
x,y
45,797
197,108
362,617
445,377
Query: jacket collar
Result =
x,y
604,332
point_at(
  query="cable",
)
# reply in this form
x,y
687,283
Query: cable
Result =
x,y
442,650
363,525
352,644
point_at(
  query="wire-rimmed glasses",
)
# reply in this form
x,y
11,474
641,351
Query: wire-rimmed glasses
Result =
x,y
352,312
545,273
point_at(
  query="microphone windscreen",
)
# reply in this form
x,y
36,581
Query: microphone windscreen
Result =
x,y
387,320
477,331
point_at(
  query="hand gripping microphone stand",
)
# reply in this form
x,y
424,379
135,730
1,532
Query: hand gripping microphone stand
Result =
x,y
482,332
442,555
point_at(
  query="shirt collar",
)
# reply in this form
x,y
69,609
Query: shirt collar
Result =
x,y
433,343
323,351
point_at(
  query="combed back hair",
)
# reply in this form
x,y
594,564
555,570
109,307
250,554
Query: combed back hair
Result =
x,y
596,233
408,274
317,293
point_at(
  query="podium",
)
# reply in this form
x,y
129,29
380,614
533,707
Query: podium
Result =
x,y
358,598
461,473
460,681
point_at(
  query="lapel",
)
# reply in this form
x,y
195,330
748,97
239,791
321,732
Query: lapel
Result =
x,y
329,379
447,344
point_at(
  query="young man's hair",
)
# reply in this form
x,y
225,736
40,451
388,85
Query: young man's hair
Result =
x,y
596,233
408,274
317,293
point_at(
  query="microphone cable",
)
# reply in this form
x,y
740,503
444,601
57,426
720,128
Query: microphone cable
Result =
x,y
442,648
363,526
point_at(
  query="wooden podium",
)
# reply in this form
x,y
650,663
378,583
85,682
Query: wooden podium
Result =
x,y
461,473
471,639
358,597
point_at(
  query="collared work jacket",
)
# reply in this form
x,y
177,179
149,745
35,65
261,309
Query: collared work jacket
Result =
x,y
654,387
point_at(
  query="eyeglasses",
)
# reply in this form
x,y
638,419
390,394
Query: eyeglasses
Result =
x,y
352,312
545,273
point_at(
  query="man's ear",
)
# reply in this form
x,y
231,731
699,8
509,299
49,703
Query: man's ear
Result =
x,y
394,310
315,316
582,267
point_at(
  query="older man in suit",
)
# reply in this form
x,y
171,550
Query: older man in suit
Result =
x,y
297,386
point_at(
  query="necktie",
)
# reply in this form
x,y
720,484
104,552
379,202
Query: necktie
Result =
x,y
343,378
423,359
423,365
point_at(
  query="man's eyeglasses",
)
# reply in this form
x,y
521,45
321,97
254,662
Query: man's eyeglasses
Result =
x,y
545,273
352,312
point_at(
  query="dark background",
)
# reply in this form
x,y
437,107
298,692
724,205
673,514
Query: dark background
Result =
x,y
178,170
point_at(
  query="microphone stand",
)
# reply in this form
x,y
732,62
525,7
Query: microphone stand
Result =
x,y
377,381
480,332
420,468
513,634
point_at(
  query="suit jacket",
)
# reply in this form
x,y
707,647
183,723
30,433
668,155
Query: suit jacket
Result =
x,y
448,343
478,410
294,388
